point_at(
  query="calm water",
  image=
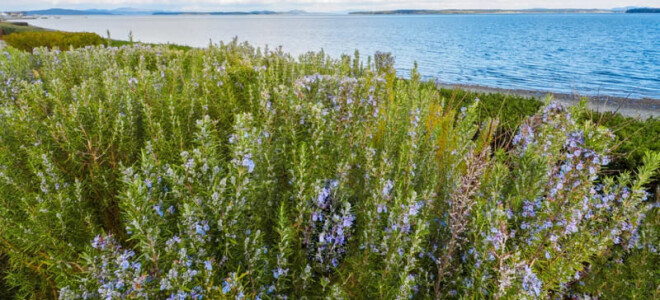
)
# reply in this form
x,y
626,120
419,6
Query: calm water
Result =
x,y
616,55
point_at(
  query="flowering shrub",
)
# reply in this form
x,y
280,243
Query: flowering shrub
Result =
x,y
233,172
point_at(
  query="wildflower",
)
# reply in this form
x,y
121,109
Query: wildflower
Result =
x,y
387,188
614,235
158,210
248,163
531,284
202,228
571,227
496,238
190,163
317,216
381,208
528,209
279,272
99,242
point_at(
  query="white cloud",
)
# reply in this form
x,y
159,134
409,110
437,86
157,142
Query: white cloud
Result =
x,y
320,5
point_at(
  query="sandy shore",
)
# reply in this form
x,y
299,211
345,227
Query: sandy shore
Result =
x,y
637,108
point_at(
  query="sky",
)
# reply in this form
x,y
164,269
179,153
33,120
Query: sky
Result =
x,y
317,5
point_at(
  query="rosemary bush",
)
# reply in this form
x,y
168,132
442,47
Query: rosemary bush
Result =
x,y
235,172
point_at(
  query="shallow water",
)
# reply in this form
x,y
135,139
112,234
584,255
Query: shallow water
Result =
x,y
614,54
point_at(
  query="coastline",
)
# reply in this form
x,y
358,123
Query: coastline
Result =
x,y
636,108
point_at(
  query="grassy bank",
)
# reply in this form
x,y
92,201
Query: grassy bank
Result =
x,y
29,37
230,171
9,28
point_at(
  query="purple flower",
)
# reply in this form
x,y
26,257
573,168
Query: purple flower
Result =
x,y
496,238
248,163
226,287
279,272
158,210
202,228
528,209
387,188
381,208
531,284
98,242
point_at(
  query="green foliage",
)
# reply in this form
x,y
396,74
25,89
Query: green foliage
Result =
x,y
636,138
53,39
627,275
9,28
619,273
230,172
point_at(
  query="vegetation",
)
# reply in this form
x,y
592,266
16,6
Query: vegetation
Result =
x,y
53,39
28,39
234,172
646,10
635,137
9,28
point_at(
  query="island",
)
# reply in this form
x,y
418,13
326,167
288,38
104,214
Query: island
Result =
x,y
483,11
646,10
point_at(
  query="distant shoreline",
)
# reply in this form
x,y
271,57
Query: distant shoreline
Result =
x,y
144,12
486,11
504,11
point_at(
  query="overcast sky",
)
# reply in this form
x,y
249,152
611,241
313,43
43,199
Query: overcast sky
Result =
x,y
318,5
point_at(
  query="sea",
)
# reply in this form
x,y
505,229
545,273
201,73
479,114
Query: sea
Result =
x,y
589,54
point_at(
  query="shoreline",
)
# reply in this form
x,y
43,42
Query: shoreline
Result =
x,y
636,108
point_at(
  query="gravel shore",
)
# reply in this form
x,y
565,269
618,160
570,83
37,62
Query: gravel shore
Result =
x,y
637,108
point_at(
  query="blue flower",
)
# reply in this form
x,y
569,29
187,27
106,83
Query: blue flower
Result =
x,y
248,163
387,188
226,288
158,210
531,283
201,229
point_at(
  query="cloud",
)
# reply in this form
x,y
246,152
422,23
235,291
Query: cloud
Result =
x,y
322,5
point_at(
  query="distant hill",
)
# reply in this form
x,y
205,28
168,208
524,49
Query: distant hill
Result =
x,y
215,13
223,13
132,11
482,11
645,10
67,12
137,11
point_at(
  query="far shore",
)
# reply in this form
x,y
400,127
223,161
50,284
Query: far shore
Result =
x,y
637,108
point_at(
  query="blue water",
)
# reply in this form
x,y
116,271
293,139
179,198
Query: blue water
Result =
x,y
615,54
